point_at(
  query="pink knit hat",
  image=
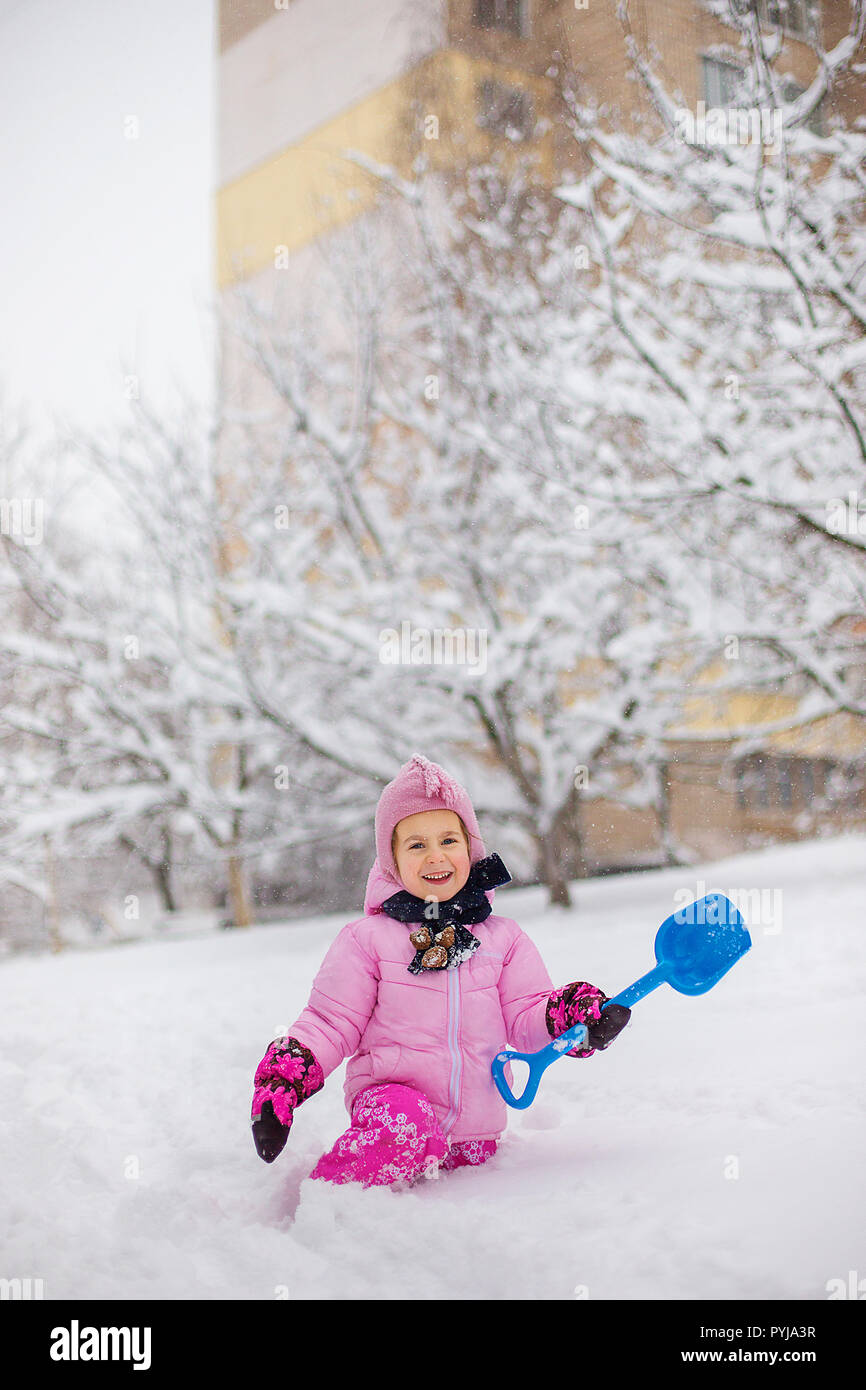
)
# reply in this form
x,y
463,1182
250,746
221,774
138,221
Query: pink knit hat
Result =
x,y
422,786
419,786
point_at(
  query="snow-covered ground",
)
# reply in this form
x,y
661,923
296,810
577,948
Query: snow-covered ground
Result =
x,y
715,1151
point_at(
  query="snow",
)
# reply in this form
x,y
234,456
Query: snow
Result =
x,y
714,1151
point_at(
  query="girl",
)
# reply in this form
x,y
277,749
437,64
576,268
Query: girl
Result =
x,y
420,1002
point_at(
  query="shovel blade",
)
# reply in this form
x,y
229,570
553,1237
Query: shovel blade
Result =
x,y
699,943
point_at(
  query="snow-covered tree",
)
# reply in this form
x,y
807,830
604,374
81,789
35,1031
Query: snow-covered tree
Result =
x,y
726,248
461,444
126,719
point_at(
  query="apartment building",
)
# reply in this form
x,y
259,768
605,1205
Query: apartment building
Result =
x,y
303,82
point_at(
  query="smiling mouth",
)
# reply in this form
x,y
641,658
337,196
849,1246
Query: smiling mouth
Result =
x,y
436,878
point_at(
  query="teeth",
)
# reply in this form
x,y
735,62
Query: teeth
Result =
x,y
436,877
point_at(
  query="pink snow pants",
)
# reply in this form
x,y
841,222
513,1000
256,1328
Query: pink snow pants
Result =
x,y
395,1137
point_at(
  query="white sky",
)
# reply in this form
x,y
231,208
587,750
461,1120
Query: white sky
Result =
x,y
105,242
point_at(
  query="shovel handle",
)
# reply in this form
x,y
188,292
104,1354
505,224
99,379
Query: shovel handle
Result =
x,y
648,982
538,1063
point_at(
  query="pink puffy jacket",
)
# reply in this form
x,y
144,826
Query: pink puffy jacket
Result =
x,y
439,1030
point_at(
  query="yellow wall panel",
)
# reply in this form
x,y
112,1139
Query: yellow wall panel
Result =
x,y
311,187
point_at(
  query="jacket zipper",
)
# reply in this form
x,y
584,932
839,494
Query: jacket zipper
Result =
x,y
453,1049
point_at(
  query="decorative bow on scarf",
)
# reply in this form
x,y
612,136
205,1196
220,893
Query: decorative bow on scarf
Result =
x,y
446,943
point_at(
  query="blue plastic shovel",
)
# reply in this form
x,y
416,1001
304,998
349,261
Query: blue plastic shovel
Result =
x,y
694,948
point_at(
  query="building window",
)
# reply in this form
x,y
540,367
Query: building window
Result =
x,y
504,110
784,779
510,16
790,91
722,82
790,15
755,782
774,784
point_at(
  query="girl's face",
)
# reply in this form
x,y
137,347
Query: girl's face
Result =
x,y
432,854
